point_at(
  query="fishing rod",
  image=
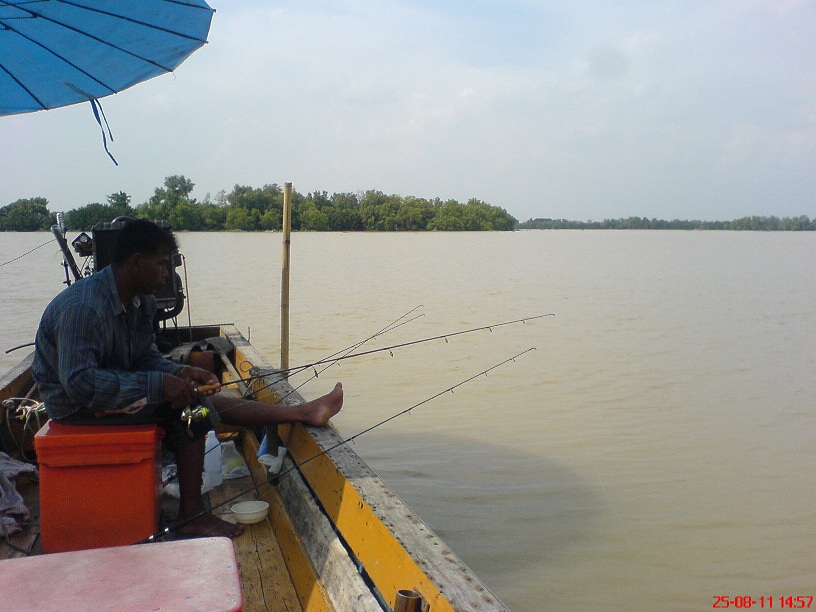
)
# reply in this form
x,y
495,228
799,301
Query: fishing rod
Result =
x,y
297,369
250,393
190,413
283,374
388,328
168,530
14,348
197,413
329,359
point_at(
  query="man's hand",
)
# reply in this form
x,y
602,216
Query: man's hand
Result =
x,y
177,391
203,381
184,389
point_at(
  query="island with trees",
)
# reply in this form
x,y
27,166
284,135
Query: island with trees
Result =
x,y
261,209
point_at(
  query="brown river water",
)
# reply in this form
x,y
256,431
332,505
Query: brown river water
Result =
x,y
656,450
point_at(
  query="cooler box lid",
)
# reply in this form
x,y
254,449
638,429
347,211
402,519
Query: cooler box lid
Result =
x,y
60,445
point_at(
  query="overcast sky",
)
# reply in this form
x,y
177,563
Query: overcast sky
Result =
x,y
692,109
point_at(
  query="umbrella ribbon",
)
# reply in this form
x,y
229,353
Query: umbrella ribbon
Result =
x,y
96,105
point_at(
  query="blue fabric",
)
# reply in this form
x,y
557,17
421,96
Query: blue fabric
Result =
x,y
92,352
57,53
96,105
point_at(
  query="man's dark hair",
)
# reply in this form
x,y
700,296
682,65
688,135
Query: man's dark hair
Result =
x,y
142,236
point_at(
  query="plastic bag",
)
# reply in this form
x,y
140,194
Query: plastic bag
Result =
x,y
273,463
213,463
234,464
213,468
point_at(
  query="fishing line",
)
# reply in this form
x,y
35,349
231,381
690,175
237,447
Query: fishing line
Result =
x,y
14,348
297,466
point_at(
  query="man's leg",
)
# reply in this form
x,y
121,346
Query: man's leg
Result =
x,y
190,460
237,411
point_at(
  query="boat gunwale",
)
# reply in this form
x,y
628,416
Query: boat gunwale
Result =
x,y
351,494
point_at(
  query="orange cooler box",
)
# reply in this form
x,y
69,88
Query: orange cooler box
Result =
x,y
100,486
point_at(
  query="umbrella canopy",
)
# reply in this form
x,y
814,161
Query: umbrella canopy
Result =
x,y
59,52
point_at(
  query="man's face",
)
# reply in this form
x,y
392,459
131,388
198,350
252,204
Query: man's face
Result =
x,y
153,271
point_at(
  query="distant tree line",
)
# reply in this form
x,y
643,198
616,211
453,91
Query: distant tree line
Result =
x,y
768,224
256,209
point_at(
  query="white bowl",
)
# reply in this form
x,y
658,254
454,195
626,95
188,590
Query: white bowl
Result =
x,y
250,512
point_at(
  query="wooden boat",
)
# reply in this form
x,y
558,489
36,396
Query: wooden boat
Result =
x,y
336,537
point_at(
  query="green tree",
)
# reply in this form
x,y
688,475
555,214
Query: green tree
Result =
x,y
186,215
120,201
414,214
26,215
344,214
85,217
379,211
176,190
313,212
179,186
213,217
313,219
263,207
242,219
449,217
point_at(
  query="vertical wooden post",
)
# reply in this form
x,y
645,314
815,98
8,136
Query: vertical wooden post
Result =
x,y
287,243
272,438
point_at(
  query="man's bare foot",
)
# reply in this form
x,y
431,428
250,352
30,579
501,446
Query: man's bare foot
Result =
x,y
323,408
210,526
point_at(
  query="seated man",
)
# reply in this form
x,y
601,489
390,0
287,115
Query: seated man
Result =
x,y
96,362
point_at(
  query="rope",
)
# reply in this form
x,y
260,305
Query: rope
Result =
x,y
24,254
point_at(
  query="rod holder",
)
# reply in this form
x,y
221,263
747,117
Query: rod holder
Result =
x,y
408,600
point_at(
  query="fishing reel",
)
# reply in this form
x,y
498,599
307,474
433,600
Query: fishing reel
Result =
x,y
193,414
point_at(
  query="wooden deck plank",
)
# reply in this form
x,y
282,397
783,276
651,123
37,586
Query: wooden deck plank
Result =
x,y
265,581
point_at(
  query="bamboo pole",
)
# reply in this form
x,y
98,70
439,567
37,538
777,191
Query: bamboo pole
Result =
x,y
287,243
273,440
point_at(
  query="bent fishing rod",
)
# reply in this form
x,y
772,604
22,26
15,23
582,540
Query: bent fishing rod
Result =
x,y
276,478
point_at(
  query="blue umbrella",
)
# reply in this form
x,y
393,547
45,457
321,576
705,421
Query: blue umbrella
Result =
x,y
59,52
